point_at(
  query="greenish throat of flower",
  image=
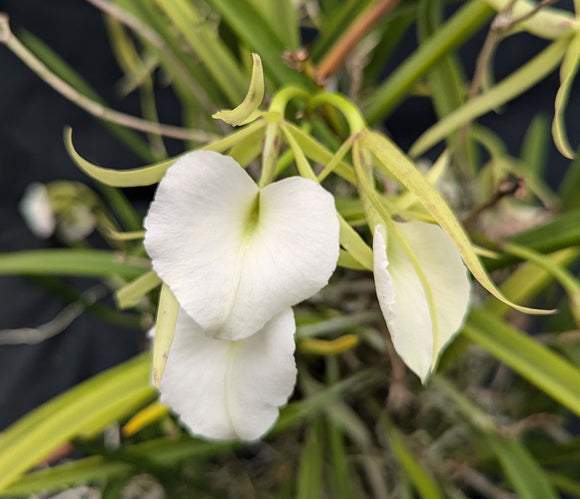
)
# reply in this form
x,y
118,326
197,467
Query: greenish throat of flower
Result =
x,y
253,217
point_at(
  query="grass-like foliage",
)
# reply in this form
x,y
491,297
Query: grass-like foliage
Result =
x,y
442,359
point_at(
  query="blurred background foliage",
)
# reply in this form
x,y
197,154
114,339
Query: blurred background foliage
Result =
x,y
499,419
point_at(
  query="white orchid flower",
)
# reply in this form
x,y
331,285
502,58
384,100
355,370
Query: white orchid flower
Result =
x,y
236,255
224,389
403,299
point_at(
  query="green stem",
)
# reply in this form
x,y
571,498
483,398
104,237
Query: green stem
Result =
x,y
354,118
458,28
285,95
510,87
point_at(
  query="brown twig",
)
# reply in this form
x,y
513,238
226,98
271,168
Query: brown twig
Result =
x,y
503,190
338,54
501,24
89,105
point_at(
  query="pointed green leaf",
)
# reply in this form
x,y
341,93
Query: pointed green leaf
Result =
x,y
525,474
515,84
309,479
556,271
534,152
212,51
77,262
151,174
164,331
252,28
247,110
317,152
129,295
570,186
568,71
548,371
419,475
394,162
464,22
117,178
99,401
302,163
355,244
346,260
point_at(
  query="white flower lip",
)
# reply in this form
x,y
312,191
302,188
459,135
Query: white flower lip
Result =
x,y
235,255
230,389
401,296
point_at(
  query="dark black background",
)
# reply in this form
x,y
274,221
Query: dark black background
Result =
x,y
32,117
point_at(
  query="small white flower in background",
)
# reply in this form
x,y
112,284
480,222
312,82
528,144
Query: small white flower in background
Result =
x,y
77,223
64,207
403,300
237,258
36,210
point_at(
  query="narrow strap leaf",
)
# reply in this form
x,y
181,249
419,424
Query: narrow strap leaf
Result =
x,y
346,260
336,159
77,262
99,401
568,71
394,162
302,163
151,174
117,178
164,331
316,346
513,85
539,365
129,295
317,152
355,244
152,413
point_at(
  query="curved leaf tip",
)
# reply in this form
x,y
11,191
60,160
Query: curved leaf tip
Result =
x,y
147,175
247,111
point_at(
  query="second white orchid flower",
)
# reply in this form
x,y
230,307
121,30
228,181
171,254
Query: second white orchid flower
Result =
x,y
419,334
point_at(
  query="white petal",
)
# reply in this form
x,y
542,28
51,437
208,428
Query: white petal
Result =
x,y
402,297
230,389
230,273
36,210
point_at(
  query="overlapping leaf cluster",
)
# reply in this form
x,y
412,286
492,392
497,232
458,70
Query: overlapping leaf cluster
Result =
x,y
494,417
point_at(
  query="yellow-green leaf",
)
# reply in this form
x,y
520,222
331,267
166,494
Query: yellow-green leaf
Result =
x,y
247,110
117,178
512,86
355,245
317,152
394,162
546,23
568,71
129,295
164,331
150,174
95,403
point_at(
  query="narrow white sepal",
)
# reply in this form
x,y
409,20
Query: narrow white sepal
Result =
x,y
402,298
230,389
235,255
